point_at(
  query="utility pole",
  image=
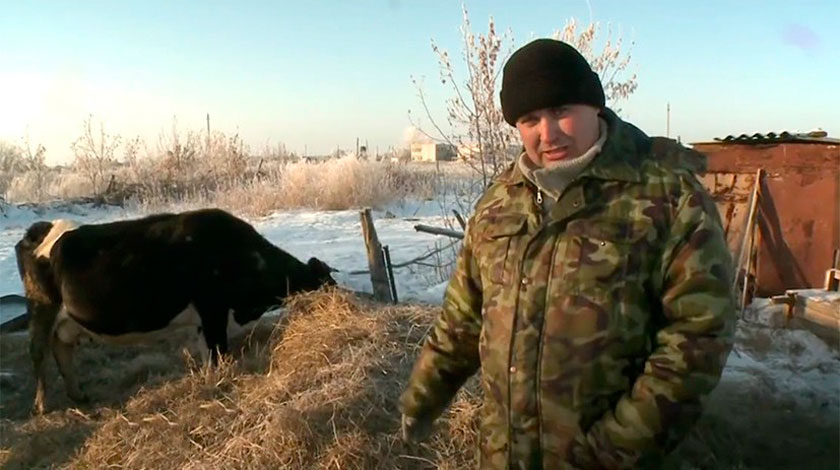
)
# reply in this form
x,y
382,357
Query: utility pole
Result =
x,y
668,121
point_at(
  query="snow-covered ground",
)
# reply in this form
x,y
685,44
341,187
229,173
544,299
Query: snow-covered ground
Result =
x,y
792,367
333,236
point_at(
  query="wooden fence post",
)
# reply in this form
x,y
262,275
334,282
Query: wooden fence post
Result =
x,y
376,261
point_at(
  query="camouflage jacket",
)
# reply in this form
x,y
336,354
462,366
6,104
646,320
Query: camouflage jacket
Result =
x,y
599,326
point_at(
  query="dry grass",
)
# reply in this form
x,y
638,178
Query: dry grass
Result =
x,y
261,188
336,184
319,390
194,168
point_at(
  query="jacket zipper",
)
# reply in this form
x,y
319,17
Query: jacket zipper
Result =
x,y
539,197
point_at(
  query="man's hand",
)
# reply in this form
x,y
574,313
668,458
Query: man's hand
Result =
x,y
415,429
581,455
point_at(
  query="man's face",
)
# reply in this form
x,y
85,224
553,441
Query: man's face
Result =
x,y
565,132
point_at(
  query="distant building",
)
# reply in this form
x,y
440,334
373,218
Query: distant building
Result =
x,y
431,152
467,151
471,151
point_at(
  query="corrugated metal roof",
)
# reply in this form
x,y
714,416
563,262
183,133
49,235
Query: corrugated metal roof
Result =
x,y
819,137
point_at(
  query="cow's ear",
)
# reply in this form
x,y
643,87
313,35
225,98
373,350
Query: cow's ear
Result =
x,y
317,265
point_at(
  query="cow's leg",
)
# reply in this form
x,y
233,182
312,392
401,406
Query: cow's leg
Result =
x,y
199,344
65,336
64,358
41,320
214,327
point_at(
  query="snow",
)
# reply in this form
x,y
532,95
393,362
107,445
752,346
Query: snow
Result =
x,y
336,238
764,312
793,366
770,364
789,363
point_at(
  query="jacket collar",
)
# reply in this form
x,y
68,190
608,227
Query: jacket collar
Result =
x,y
620,159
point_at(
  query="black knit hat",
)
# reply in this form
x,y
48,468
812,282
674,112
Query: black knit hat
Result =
x,y
546,73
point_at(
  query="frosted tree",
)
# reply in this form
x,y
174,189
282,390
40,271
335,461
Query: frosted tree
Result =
x,y
474,124
94,154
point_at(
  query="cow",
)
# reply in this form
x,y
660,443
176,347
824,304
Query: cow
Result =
x,y
137,280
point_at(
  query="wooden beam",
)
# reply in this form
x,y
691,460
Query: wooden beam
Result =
x,y
747,244
832,280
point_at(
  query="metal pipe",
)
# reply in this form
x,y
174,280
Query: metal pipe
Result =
x,y
387,253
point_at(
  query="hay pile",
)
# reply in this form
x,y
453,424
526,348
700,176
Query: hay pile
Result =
x,y
321,392
319,389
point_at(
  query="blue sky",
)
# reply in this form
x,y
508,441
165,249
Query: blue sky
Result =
x,y
321,73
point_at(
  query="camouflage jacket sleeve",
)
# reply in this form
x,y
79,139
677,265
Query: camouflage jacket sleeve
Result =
x,y
450,354
692,341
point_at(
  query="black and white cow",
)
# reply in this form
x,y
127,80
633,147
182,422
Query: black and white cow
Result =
x,y
136,280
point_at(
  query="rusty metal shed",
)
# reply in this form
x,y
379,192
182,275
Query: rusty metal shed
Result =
x,y
798,216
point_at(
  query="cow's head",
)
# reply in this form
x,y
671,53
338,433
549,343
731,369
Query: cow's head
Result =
x,y
25,248
320,273
36,233
33,263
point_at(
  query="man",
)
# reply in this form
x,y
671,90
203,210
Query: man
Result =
x,y
592,288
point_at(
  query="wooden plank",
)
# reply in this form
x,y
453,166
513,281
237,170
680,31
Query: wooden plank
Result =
x,y
749,241
747,237
824,302
817,311
832,279
376,261
830,308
